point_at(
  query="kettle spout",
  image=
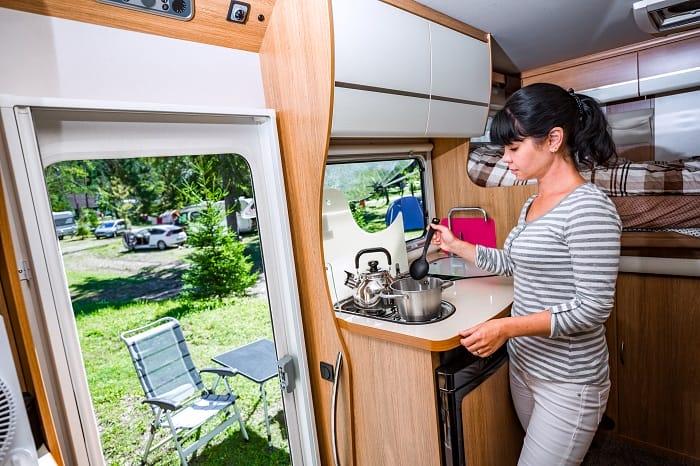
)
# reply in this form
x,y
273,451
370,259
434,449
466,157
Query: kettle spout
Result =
x,y
350,280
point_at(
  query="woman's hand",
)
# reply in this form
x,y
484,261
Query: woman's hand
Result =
x,y
485,338
444,239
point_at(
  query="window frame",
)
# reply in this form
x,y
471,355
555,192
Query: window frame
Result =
x,y
341,154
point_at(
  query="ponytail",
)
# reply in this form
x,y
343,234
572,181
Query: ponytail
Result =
x,y
534,110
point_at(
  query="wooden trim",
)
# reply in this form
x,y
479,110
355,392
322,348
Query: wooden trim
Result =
x,y
408,340
670,57
609,53
18,314
208,26
439,18
296,59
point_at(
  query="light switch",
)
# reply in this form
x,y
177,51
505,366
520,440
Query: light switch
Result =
x,y
238,12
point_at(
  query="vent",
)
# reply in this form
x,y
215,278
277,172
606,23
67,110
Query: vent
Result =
x,y
8,420
663,17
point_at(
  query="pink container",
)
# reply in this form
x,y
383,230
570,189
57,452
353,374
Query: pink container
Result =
x,y
474,230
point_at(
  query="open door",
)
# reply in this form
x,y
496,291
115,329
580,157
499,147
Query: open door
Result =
x,y
41,136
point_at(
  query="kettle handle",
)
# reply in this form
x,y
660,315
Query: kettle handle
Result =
x,y
368,250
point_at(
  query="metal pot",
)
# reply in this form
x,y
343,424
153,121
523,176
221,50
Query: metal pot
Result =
x,y
418,300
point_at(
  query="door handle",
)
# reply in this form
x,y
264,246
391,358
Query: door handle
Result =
x,y
622,353
334,407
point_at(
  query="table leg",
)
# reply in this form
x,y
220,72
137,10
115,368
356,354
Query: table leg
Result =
x,y
267,417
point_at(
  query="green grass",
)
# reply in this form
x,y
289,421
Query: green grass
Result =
x,y
106,304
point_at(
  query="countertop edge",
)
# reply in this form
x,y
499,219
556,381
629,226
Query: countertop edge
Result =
x,y
408,340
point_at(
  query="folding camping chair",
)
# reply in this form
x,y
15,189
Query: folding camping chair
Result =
x,y
174,389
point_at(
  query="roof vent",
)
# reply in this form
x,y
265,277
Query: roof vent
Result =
x,y
663,17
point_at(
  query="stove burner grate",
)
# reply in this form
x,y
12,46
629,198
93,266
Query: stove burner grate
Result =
x,y
390,313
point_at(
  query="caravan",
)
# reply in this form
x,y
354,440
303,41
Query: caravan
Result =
x,y
352,124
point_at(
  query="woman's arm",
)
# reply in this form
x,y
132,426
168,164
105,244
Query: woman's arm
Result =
x,y
485,338
490,259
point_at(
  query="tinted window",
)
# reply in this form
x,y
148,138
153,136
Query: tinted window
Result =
x,y
107,225
156,231
59,222
176,230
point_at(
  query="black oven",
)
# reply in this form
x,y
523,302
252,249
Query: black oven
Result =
x,y
460,372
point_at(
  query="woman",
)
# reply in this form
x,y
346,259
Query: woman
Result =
x,y
563,255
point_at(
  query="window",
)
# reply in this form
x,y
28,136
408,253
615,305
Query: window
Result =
x,y
377,190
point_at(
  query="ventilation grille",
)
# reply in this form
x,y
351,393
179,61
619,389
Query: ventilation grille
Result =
x,y
8,419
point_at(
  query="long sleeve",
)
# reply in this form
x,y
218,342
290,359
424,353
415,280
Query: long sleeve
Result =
x,y
592,234
493,260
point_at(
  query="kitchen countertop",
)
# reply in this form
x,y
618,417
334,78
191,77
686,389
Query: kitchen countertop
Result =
x,y
475,299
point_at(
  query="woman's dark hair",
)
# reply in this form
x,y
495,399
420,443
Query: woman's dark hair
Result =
x,y
534,110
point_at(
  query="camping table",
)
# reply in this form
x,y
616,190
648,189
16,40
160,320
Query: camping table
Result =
x,y
255,361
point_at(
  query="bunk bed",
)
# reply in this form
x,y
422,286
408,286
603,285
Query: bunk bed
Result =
x,y
658,201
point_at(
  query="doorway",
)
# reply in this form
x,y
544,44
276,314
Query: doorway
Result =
x,y
60,135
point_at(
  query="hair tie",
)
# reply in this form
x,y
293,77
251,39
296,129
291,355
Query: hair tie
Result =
x,y
579,104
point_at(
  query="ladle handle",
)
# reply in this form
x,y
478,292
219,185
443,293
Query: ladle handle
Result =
x,y
429,236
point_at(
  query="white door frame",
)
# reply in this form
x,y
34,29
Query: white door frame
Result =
x,y
38,132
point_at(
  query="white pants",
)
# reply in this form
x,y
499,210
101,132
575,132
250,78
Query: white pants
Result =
x,y
560,419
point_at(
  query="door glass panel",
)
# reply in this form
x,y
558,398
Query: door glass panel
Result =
x,y
170,238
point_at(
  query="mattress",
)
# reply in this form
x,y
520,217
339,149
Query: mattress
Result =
x,y
658,211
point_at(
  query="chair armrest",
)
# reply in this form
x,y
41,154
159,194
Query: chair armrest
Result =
x,y
162,403
220,371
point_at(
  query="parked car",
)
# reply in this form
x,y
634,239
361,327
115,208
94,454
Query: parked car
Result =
x,y
64,224
161,237
110,228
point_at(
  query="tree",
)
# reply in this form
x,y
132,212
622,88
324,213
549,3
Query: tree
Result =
x,y
218,266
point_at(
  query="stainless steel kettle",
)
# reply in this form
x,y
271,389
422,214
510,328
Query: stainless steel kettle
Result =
x,y
369,285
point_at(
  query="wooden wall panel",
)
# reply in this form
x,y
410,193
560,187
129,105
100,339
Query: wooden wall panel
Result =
x,y
590,75
454,188
297,67
396,419
208,26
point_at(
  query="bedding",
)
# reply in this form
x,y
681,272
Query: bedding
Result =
x,y
623,178
658,211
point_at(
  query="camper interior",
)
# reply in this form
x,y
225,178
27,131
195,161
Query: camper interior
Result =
x,y
346,126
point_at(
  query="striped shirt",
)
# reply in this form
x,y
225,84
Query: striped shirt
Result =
x,y
566,262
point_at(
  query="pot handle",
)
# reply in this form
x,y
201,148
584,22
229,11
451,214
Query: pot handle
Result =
x,y
446,284
393,296
368,250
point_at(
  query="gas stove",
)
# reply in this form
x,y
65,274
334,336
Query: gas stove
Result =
x,y
390,313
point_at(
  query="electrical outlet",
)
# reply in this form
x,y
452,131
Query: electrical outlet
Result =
x,y
238,12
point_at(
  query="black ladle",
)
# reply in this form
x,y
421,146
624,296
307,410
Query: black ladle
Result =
x,y
419,267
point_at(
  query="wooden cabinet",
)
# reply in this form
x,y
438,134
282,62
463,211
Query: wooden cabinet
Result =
x,y
658,375
670,67
610,79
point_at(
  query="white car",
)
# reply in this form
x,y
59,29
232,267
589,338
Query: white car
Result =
x,y
161,237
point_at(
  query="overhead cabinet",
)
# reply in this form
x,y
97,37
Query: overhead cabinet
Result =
x,y
397,74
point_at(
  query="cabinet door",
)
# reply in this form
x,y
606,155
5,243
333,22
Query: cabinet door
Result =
x,y
461,65
492,432
381,46
607,80
670,67
658,323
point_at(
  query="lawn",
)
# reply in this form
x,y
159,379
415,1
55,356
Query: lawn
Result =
x,y
108,288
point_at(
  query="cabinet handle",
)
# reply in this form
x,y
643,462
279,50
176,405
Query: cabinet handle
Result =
x,y
334,407
622,353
